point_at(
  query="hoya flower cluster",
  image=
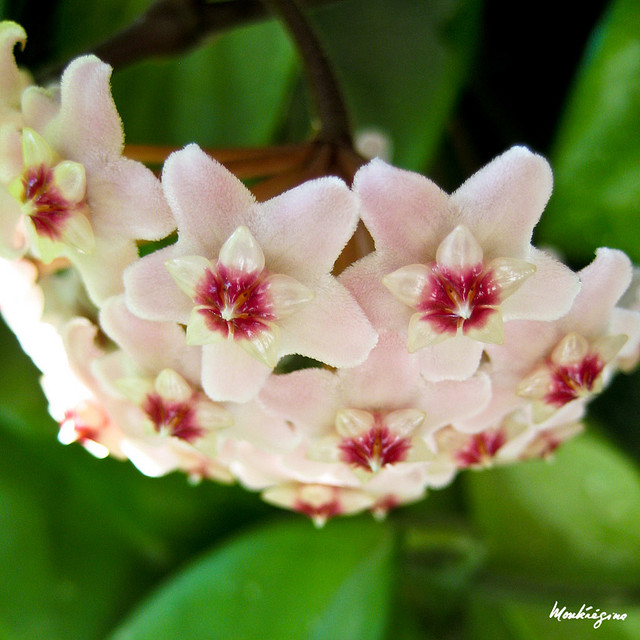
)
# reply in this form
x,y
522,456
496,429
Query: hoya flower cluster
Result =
x,y
454,344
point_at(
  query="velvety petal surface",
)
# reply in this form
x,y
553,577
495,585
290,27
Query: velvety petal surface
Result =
x,y
229,373
454,359
501,203
11,80
88,128
405,212
547,294
39,106
364,281
126,200
452,400
154,345
303,230
208,201
11,243
152,293
603,283
253,424
331,328
308,398
102,269
387,378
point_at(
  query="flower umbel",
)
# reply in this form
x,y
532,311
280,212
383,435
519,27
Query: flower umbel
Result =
x,y
267,343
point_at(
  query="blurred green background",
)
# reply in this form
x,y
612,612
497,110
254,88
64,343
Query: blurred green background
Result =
x,y
94,550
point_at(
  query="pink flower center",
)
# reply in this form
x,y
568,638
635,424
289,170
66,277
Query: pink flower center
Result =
x,y
543,446
84,431
320,512
375,448
569,382
176,419
463,299
50,210
234,302
481,448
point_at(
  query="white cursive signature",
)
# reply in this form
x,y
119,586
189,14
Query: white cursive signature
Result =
x,y
585,613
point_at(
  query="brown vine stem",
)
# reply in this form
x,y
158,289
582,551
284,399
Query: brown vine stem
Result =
x,y
332,112
171,27
244,162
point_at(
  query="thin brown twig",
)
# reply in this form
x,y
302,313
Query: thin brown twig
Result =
x,y
171,27
329,102
244,162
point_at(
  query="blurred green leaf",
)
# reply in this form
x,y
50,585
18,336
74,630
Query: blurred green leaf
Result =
x,y
81,25
230,93
26,609
279,582
22,404
508,617
83,540
596,159
66,573
574,520
402,64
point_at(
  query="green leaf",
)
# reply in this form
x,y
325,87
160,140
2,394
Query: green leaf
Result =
x,y
596,159
66,574
279,582
27,571
229,93
83,540
574,520
81,25
403,64
22,404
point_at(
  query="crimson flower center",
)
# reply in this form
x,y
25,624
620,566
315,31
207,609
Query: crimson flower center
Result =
x,y
234,302
323,511
374,449
569,382
458,299
482,447
177,419
50,210
84,430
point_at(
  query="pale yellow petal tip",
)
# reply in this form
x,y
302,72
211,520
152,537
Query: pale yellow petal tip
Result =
x,y
408,283
510,274
264,346
459,250
187,271
241,251
287,294
78,233
404,422
198,333
422,334
570,350
351,423
71,180
492,332
536,385
36,150
172,386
